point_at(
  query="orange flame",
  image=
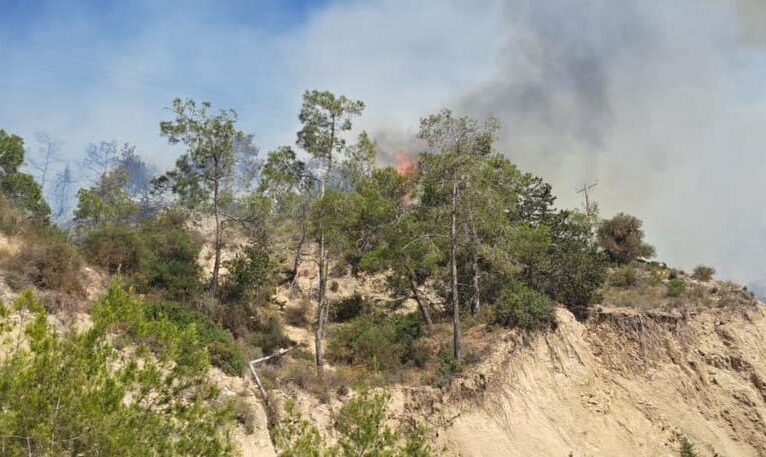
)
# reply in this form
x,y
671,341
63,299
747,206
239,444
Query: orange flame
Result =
x,y
404,164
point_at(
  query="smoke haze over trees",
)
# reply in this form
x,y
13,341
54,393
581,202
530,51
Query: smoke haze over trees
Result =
x,y
661,102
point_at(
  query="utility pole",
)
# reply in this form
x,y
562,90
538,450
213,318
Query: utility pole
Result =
x,y
584,190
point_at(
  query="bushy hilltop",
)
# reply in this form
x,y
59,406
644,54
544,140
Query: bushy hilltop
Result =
x,y
399,303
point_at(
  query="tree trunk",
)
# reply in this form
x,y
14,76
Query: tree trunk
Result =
x,y
453,266
476,302
217,247
297,258
323,267
422,305
321,306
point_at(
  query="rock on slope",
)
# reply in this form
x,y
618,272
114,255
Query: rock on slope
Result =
x,y
624,383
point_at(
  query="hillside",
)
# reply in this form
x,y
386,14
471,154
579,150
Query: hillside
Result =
x,y
642,371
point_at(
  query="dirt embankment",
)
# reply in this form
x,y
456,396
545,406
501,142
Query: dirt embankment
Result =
x,y
625,383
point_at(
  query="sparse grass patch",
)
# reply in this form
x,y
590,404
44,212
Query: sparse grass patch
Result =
x,y
297,316
47,260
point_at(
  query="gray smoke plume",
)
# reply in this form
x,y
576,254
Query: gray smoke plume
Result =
x,y
660,101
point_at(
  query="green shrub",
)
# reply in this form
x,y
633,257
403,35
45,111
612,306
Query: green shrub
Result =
x,y
348,308
622,238
171,261
520,306
687,448
91,397
363,430
624,277
116,248
676,287
380,343
251,276
449,367
223,350
703,273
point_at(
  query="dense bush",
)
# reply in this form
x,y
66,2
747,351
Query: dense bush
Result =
x,y
158,255
74,394
624,277
622,238
171,262
377,342
348,308
703,273
571,270
116,248
47,260
223,350
676,287
251,276
520,306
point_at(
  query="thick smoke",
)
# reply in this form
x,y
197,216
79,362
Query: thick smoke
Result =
x,y
654,99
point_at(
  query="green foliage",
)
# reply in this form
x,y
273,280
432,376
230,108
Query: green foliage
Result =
x,y
251,276
171,264
158,255
116,248
11,152
325,117
676,287
703,273
570,269
377,342
520,306
363,430
223,350
74,394
25,193
687,448
20,189
624,277
623,239
106,202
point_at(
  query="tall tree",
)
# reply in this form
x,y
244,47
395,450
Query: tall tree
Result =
x,y
204,177
325,118
459,142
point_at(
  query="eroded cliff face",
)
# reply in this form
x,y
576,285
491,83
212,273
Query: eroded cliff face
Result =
x,y
624,383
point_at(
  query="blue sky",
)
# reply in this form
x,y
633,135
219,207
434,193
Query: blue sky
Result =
x,y
664,103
